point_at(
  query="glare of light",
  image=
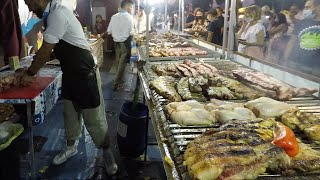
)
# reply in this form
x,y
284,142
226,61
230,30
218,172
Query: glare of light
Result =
x,y
155,2
241,16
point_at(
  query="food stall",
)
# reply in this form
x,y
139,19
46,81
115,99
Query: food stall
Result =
x,y
221,118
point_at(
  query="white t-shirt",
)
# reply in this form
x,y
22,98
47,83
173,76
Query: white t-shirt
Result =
x,y
63,25
121,26
251,35
141,23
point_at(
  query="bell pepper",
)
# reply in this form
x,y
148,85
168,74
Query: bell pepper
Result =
x,y
285,138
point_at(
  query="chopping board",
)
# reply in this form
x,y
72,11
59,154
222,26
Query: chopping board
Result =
x,y
28,92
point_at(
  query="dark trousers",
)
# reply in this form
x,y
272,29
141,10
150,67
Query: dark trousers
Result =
x,y
122,58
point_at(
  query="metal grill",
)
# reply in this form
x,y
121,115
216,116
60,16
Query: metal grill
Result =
x,y
210,53
178,137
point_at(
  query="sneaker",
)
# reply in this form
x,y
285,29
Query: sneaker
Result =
x,y
110,162
64,155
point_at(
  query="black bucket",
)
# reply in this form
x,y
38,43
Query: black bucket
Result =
x,y
131,129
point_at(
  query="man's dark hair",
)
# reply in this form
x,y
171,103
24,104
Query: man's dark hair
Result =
x,y
98,16
213,12
125,2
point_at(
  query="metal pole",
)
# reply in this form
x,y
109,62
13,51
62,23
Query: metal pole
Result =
x,y
147,33
138,17
182,7
31,147
179,18
166,15
232,20
225,28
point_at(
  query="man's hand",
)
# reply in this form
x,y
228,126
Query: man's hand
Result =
x,y
27,80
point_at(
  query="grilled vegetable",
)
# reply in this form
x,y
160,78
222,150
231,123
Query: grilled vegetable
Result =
x,y
285,138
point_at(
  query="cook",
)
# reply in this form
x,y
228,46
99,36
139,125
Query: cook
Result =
x,y
81,83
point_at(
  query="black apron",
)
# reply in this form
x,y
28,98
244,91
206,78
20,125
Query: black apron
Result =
x,y
79,80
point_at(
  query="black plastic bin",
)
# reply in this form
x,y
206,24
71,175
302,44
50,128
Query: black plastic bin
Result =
x,y
131,129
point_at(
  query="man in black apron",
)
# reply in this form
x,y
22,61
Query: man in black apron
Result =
x,y
81,83
121,29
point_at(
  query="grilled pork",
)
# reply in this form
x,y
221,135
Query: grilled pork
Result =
x,y
268,83
238,150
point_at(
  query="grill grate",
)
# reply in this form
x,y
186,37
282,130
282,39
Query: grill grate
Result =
x,y
178,136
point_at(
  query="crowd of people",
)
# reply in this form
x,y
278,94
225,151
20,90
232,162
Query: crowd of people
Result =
x,y
289,37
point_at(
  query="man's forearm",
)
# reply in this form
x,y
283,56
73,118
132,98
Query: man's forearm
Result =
x,y
38,62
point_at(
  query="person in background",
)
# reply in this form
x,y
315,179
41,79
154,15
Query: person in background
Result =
x,y
140,21
199,25
101,25
220,12
81,84
252,34
293,17
278,38
189,20
215,28
265,14
121,29
10,29
303,49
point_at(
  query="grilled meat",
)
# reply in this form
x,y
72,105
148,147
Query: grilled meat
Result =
x,y
192,70
11,80
165,86
303,122
313,132
166,70
308,160
234,151
240,90
203,68
196,84
184,71
267,108
185,93
220,93
268,83
189,113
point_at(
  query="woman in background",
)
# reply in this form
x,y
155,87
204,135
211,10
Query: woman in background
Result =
x,y
199,26
101,25
278,38
252,33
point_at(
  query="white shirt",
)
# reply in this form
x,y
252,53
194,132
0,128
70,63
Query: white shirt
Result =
x,y
63,25
251,35
140,24
121,26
